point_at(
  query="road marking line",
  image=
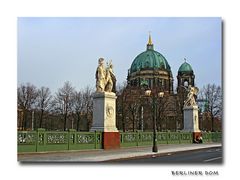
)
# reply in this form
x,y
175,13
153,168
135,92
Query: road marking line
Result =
x,y
209,151
207,160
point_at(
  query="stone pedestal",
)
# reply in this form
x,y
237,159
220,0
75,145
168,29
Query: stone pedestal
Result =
x,y
196,135
104,118
190,115
111,140
191,124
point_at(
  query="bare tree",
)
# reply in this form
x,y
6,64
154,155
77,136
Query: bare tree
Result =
x,y
213,96
63,101
43,102
26,95
82,107
164,109
121,105
133,107
88,105
78,106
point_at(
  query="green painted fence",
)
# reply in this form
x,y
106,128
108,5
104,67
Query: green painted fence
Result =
x,y
212,137
130,139
41,140
146,138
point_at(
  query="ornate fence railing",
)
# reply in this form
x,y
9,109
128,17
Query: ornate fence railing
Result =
x,y
212,136
146,138
41,140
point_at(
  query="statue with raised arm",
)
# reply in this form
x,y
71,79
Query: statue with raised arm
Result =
x,y
100,76
190,101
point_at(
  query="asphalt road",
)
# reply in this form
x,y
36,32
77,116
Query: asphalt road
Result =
x,y
210,155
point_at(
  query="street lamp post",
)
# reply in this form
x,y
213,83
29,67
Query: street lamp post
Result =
x,y
154,148
154,96
32,120
142,118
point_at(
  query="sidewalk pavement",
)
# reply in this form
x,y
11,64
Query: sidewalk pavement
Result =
x,y
109,155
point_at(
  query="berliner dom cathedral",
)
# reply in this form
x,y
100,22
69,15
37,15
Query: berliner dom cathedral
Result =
x,y
150,70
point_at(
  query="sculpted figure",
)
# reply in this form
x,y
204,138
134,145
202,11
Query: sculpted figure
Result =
x,y
100,76
105,78
190,101
110,79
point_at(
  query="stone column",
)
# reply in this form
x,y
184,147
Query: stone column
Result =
x,y
104,118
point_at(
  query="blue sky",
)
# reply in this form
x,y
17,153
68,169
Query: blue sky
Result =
x,y
54,50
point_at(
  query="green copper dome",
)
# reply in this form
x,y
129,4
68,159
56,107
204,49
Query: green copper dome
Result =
x,y
149,59
185,67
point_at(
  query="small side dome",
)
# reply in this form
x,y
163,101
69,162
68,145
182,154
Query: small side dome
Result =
x,y
185,67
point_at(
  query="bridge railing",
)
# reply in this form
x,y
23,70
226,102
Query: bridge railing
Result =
x,y
41,140
139,138
212,136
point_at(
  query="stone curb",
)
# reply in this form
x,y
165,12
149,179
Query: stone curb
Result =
x,y
157,154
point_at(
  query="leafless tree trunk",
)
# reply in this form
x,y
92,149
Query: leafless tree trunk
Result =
x,y
78,106
213,96
26,95
43,102
133,111
121,101
63,101
162,104
88,105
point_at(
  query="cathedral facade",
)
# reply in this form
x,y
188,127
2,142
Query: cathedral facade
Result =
x,y
150,70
